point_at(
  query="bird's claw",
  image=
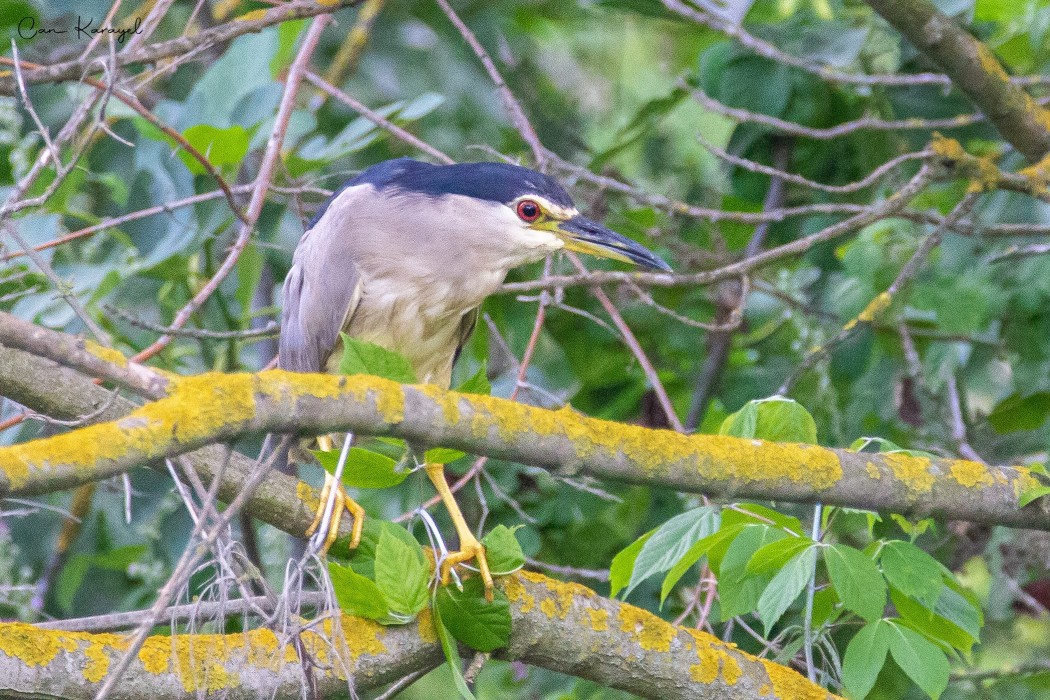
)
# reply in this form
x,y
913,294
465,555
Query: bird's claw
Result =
x,y
342,502
470,549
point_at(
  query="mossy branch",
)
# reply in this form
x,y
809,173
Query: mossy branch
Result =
x,y
216,407
559,626
974,69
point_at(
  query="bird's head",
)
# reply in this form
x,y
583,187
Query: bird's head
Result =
x,y
519,205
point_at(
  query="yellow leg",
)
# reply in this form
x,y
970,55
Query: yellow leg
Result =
x,y
343,502
469,547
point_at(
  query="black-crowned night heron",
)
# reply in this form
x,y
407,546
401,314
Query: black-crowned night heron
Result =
x,y
403,255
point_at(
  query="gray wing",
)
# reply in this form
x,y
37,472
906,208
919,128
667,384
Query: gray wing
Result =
x,y
321,293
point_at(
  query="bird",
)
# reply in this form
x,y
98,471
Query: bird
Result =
x,y
402,256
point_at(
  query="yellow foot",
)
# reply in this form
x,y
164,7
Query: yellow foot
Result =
x,y
342,502
469,547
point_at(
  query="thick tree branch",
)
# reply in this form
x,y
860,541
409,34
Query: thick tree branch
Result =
x,y
59,392
560,626
975,70
215,407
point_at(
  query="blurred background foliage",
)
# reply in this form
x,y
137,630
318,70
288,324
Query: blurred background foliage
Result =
x,y
606,83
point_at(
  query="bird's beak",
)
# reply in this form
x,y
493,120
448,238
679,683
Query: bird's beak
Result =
x,y
582,235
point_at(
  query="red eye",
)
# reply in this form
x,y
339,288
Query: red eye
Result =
x,y
528,210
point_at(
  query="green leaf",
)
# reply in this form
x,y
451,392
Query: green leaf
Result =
x,y
772,557
220,147
670,542
936,626
478,383
776,419
478,623
785,587
356,594
693,554
1019,412
857,581
119,559
360,357
442,455
1032,494
738,592
401,574
755,513
502,551
920,659
623,564
455,664
70,579
911,571
865,657
364,469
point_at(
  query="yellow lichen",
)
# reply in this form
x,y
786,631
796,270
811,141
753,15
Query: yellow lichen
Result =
x,y
790,685
872,470
425,626
363,636
875,307
517,593
716,659
990,63
548,608
913,472
598,619
105,354
650,632
971,474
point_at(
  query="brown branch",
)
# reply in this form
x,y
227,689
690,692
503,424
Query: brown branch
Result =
x,y
559,626
211,408
974,69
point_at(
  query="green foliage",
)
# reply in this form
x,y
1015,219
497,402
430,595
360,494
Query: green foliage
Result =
x,y
478,623
610,101
360,357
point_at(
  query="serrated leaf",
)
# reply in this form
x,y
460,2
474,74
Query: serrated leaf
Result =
x,y
772,557
738,592
920,659
756,513
857,580
478,623
356,594
364,469
360,357
455,664
401,574
933,625
865,657
502,551
623,564
693,554
478,383
777,419
911,571
785,587
670,542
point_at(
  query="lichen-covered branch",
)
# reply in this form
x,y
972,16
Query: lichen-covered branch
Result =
x,y
559,626
974,69
216,407
56,391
